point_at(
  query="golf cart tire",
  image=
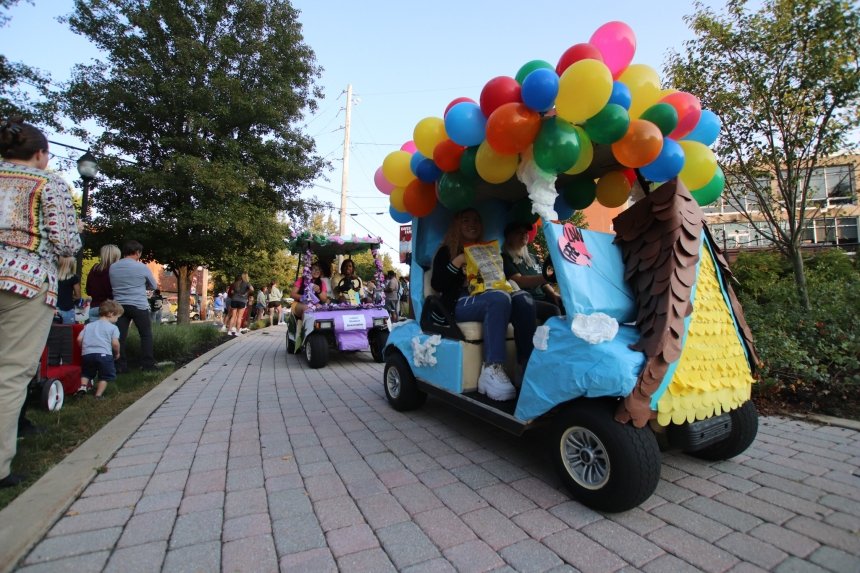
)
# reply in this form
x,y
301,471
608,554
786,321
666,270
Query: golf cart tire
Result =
x,y
605,465
743,433
378,339
401,390
53,395
316,351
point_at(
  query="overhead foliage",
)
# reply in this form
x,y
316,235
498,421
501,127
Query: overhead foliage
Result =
x,y
203,99
785,80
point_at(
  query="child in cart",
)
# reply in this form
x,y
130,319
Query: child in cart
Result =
x,y
99,348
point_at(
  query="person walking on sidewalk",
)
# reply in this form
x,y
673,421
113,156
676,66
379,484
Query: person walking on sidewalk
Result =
x,y
38,226
130,279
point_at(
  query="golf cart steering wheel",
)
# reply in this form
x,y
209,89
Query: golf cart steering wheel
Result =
x,y
346,284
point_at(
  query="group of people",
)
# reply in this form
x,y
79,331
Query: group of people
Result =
x,y
348,288
533,299
242,303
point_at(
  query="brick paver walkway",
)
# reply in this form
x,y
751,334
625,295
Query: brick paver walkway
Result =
x,y
258,463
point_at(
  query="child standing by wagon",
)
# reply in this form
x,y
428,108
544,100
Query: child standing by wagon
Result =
x,y
99,347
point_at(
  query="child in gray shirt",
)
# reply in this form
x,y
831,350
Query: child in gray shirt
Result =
x,y
99,344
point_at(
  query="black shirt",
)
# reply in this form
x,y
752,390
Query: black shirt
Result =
x,y
65,292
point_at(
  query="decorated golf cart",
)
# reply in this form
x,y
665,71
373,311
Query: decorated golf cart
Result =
x,y
345,322
652,351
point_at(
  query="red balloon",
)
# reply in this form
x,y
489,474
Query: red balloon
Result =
x,y
455,102
419,198
575,53
512,128
447,155
689,111
630,175
499,91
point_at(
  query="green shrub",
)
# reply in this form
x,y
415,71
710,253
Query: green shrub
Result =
x,y
812,357
754,270
174,342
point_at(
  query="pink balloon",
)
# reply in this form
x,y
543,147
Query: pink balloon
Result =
x,y
455,102
617,43
409,146
381,182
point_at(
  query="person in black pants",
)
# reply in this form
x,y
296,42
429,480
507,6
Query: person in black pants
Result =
x,y
130,279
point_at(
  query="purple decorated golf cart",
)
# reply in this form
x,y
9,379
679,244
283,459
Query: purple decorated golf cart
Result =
x,y
346,322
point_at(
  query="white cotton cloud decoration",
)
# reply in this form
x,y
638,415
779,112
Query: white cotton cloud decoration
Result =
x,y
541,338
424,353
594,328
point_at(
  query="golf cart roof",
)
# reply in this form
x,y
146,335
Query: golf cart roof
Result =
x,y
324,246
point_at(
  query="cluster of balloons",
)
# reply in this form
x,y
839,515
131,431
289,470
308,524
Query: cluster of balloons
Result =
x,y
593,95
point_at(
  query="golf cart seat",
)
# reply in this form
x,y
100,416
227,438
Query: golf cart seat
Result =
x,y
470,333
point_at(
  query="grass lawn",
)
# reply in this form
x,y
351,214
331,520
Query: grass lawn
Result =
x,y
82,416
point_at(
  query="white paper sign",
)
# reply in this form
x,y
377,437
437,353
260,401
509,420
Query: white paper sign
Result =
x,y
354,322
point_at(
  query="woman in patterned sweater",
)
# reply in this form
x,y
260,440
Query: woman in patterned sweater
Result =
x,y
37,226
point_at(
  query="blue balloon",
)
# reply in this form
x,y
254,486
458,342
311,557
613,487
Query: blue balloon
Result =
x,y
707,130
667,165
399,216
465,124
621,95
413,163
539,89
563,210
427,171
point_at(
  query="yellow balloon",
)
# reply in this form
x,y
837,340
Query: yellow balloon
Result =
x,y
583,89
700,164
644,85
586,153
396,199
494,167
667,91
396,168
428,133
613,189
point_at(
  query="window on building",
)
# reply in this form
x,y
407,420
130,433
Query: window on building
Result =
x,y
832,185
747,203
832,231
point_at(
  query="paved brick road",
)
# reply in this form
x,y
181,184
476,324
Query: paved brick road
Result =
x,y
259,463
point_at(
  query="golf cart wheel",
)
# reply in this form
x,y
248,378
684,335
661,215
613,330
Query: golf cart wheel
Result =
x,y
377,345
316,351
52,395
743,433
401,390
606,465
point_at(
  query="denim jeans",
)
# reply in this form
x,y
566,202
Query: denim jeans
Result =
x,y
140,317
495,309
68,316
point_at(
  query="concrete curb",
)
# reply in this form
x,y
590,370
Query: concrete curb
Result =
x,y
28,518
825,420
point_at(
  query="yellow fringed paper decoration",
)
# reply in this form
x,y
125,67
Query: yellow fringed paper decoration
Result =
x,y
713,375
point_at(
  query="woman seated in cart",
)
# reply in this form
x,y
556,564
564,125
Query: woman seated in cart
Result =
x,y
319,289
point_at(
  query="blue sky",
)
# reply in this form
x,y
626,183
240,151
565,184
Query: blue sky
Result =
x,y
404,60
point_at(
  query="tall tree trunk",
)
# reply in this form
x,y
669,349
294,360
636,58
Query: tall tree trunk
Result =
x,y
800,277
183,290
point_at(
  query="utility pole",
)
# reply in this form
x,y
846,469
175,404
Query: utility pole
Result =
x,y
345,176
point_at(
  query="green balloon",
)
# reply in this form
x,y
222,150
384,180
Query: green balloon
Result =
x,y
455,191
521,212
467,164
531,66
609,125
556,147
663,115
712,189
579,193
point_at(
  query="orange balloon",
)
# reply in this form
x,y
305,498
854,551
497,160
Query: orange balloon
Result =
x,y
512,128
419,198
640,145
447,156
613,189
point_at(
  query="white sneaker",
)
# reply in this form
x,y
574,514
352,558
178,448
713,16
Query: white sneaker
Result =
x,y
495,383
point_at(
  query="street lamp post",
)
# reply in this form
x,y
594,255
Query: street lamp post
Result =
x,y
87,169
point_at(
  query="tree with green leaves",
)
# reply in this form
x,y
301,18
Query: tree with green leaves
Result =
x,y
785,80
24,90
201,101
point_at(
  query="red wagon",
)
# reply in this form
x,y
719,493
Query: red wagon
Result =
x,y
59,368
